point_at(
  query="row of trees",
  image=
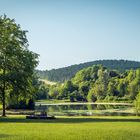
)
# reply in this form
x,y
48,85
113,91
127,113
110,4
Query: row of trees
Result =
x,y
66,73
99,83
17,64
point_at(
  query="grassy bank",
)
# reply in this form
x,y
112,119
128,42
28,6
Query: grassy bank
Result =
x,y
67,128
53,101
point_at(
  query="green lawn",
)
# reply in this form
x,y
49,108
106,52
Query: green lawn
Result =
x,y
80,128
0,106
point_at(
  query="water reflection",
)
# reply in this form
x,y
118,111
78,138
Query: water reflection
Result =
x,y
87,110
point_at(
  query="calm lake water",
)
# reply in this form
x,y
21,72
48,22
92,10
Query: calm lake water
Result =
x,y
86,109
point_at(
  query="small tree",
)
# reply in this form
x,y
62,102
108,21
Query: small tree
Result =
x,y
17,63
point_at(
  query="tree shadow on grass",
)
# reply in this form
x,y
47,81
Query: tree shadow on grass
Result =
x,y
68,120
5,136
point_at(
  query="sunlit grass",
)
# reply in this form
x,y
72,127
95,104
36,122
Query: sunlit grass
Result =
x,y
67,128
0,106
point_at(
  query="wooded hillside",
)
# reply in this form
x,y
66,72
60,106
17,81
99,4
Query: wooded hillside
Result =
x,y
99,83
66,73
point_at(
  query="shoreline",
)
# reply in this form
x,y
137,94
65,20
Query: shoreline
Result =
x,y
76,103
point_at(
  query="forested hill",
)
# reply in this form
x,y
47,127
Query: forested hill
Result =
x,y
66,73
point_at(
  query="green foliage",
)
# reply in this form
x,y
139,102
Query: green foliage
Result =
x,y
55,92
31,104
74,96
99,83
91,97
66,90
17,63
66,73
21,104
43,91
112,88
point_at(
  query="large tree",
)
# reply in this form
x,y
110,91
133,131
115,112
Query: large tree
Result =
x,y
17,63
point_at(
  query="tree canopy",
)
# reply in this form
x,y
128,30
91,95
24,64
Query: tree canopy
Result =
x,y
99,83
17,63
66,73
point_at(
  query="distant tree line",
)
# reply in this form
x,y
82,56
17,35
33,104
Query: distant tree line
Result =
x,y
97,83
66,73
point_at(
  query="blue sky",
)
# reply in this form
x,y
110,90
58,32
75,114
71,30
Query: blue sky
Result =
x,y
66,32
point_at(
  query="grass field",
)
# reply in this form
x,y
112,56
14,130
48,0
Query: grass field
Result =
x,y
0,106
77,128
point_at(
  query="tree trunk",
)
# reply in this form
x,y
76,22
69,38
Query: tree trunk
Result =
x,y
3,104
3,94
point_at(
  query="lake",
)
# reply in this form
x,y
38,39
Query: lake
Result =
x,y
87,109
